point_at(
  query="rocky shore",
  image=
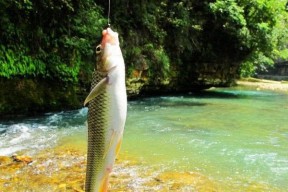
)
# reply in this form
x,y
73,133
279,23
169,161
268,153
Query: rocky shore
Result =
x,y
262,84
63,169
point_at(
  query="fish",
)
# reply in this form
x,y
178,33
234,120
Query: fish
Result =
x,y
107,112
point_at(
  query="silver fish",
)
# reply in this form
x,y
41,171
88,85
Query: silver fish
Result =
x,y
107,112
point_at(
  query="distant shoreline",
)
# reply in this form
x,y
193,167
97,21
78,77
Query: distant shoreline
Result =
x,y
263,84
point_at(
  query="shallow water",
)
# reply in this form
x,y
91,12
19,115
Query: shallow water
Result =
x,y
236,138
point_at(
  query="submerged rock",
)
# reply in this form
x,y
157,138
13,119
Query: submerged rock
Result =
x,y
5,160
186,181
22,158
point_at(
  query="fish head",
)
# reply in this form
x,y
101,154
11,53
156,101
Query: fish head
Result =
x,y
109,48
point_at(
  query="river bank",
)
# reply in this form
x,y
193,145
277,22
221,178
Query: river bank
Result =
x,y
28,97
263,84
63,169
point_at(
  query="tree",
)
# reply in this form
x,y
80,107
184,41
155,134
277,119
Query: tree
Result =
x,y
258,26
49,39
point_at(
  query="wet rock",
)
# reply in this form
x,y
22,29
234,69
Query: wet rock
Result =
x,y
4,160
22,158
186,181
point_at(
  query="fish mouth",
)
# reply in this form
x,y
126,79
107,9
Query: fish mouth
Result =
x,y
109,36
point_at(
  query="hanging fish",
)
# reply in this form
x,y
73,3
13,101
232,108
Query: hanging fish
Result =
x,y
106,112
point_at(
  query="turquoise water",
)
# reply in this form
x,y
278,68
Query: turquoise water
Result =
x,y
234,137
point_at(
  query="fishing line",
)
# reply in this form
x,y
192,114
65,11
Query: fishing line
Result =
x,y
109,14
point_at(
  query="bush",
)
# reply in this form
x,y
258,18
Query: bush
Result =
x,y
18,63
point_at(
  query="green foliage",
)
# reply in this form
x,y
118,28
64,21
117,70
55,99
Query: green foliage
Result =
x,y
158,62
258,28
14,63
163,61
87,24
182,26
143,37
56,39
57,69
186,43
48,39
242,34
258,61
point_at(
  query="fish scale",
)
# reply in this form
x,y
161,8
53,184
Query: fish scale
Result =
x,y
97,127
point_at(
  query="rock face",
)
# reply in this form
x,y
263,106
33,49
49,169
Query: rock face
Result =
x,y
19,96
30,96
277,72
208,74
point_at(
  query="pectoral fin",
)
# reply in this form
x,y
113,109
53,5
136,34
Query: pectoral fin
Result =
x,y
118,147
97,90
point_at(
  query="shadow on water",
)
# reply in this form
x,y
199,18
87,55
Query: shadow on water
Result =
x,y
170,101
232,93
195,99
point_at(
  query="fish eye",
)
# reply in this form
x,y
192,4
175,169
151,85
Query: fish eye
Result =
x,y
98,49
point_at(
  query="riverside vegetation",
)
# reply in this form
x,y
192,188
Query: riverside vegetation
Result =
x,y
47,47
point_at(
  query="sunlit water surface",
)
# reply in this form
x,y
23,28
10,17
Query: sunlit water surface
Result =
x,y
233,136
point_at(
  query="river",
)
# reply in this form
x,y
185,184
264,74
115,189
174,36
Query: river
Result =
x,y
223,139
